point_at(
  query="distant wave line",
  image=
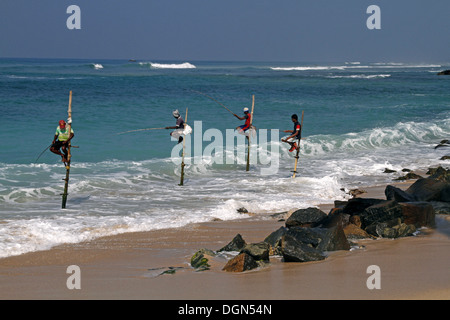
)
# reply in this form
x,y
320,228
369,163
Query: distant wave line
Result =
x,y
348,66
185,65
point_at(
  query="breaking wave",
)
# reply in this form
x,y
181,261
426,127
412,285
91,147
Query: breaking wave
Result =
x,y
185,65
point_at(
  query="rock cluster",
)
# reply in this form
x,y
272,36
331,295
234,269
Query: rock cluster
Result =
x,y
309,234
444,73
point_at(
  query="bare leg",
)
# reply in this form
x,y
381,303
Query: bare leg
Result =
x,y
66,154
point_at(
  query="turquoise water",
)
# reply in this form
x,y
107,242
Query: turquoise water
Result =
x,y
359,118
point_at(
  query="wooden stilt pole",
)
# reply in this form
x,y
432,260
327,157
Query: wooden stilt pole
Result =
x,y
69,127
249,134
66,187
182,156
298,148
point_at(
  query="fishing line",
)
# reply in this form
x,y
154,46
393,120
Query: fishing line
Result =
x,y
42,153
140,130
204,94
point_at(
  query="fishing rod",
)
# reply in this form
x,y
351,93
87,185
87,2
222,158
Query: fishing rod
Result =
x,y
42,153
141,130
204,94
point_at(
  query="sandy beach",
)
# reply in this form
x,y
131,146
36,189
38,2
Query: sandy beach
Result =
x,y
131,266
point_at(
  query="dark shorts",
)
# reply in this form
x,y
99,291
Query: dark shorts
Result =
x,y
244,127
57,145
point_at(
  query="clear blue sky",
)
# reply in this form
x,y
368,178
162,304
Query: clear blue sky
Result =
x,y
246,30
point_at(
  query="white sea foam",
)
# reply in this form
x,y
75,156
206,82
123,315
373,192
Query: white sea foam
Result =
x,y
360,76
113,197
97,66
307,68
185,65
356,66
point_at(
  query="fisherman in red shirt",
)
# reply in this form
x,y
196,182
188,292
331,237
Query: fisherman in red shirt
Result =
x,y
248,119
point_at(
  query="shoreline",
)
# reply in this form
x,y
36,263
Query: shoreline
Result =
x,y
131,266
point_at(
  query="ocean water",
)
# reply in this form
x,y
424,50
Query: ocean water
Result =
x,y
359,118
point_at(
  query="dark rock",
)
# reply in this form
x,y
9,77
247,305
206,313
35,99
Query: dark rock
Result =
x,y
381,212
295,250
280,216
242,210
386,170
356,192
430,189
419,214
445,158
394,193
443,143
440,174
321,239
336,219
391,229
444,73
339,204
380,229
171,270
405,230
306,218
242,262
356,220
354,232
200,259
258,251
358,205
274,240
334,212
441,207
408,176
332,239
306,236
235,245
156,272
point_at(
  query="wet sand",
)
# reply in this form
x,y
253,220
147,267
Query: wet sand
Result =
x,y
129,266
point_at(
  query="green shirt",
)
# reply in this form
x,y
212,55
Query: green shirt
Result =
x,y
63,134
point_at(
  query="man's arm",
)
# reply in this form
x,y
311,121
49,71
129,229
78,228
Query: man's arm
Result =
x,y
70,138
294,134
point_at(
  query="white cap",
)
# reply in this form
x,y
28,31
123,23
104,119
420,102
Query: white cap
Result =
x,y
245,109
176,113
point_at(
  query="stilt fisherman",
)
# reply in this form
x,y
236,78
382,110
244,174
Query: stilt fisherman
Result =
x,y
296,134
61,141
179,127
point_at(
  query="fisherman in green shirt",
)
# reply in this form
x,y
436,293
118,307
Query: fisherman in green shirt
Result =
x,y
64,137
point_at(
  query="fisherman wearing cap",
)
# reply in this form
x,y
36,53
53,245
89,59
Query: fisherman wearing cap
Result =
x,y
64,137
247,117
179,126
